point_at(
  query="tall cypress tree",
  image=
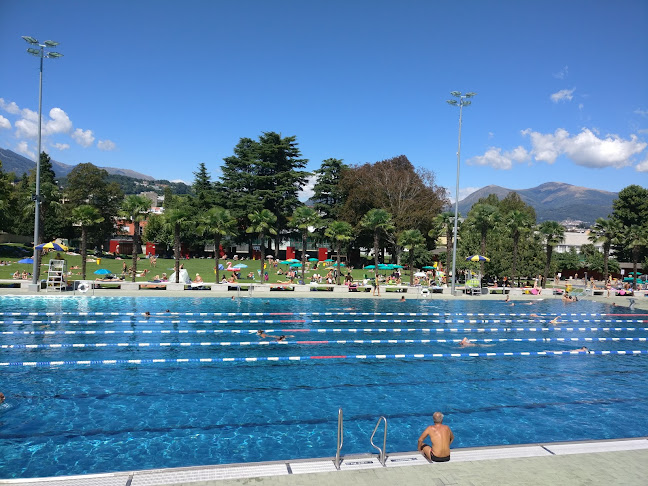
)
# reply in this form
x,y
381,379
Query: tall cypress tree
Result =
x,y
327,193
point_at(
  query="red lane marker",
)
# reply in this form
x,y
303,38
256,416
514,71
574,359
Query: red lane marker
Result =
x,y
312,342
292,320
326,357
295,330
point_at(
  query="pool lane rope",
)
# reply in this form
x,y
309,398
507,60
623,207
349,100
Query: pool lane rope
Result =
x,y
321,357
314,343
323,330
323,321
302,314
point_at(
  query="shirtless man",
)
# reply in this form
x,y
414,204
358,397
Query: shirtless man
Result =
x,y
441,437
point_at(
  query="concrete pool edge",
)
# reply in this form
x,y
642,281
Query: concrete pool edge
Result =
x,y
268,472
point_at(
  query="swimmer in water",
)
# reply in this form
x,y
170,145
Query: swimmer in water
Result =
x,y
584,349
262,334
2,397
466,343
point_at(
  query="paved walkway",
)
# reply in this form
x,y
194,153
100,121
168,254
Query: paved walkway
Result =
x,y
623,462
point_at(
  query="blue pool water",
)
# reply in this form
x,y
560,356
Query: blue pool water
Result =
x,y
77,418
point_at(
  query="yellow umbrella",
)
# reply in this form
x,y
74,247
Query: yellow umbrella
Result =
x,y
52,245
477,258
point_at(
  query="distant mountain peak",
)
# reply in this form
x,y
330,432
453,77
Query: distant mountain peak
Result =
x,y
556,201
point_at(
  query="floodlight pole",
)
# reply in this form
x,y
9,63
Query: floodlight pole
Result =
x,y
40,52
463,101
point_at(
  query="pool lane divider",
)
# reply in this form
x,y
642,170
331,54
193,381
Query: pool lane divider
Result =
x,y
325,321
322,330
306,314
311,343
53,364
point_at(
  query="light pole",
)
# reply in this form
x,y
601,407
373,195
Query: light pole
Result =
x,y
461,101
40,52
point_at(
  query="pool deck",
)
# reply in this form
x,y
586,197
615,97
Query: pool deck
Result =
x,y
622,461
640,299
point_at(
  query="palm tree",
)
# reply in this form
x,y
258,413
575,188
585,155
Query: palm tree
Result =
x,y
517,223
606,231
483,217
219,223
636,238
85,216
136,209
340,232
411,239
304,218
552,233
377,220
262,223
175,219
444,222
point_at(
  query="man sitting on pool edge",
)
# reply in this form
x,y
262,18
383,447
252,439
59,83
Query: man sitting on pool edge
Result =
x,y
441,437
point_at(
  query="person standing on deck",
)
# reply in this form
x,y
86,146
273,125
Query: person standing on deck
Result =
x,y
441,437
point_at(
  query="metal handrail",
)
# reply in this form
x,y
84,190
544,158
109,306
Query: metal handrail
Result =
x,y
382,453
340,439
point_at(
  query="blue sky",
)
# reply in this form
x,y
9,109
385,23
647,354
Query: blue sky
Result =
x,y
161,86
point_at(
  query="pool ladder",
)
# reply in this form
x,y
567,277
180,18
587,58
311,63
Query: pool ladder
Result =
x,y
382,453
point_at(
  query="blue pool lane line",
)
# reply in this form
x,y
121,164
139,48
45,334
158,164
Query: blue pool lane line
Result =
x,y
310,343
320,330
307,358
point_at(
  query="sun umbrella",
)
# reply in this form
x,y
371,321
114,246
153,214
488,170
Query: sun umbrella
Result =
x,y
397,266
370,267
26,260
293,260
341,265
295,265
328,260
477,258
52,245
241,265
313,260
102,271
285,262
428,267
420,274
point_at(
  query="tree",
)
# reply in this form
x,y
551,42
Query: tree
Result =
x,y
262,223
136,209
553,233
411,239
219,223
305,219
483,217
517,223
263,174
177,218
327,193
636,238
203,188
88,184
85,216
377,221
410,195
444,223
630,209
606,231
339,232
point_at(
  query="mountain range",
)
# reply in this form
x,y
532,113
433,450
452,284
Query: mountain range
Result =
x,y
19,165
555,201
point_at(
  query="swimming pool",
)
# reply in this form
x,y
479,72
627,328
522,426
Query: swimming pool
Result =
x,y
90,393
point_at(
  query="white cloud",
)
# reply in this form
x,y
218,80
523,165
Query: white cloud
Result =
x,y
61,146
585,149
562,74
641,112
307,191
643,131
23,148
562,95
83,138
4,123
9,107
642,166
106,145
494,157
26,128
59,122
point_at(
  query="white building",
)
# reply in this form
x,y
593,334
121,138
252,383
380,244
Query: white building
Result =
x,y
575,240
